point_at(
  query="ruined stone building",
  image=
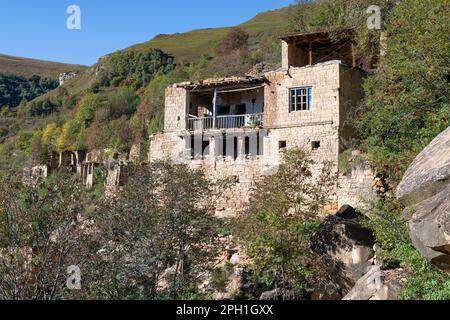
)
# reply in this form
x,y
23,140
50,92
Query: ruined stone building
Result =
x,y
239,126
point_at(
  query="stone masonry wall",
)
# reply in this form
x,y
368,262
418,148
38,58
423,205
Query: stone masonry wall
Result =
x,y
357,186
176,109
324,80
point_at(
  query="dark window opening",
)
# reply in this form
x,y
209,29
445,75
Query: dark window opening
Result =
x,y
235,145
192,147
315,145
282,145
224,146
224,110
205,149
259,145
241,109
247,146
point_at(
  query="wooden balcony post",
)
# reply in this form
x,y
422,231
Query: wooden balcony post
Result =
x,y
310,54
214,108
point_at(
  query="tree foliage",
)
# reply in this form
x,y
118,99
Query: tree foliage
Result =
x,y
158,237
391,232
282,217
137,67
407,105
15,89
37,237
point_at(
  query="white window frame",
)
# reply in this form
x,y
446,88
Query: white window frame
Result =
x,y
308,96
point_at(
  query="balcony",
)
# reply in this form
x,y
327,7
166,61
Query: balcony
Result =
x,y
226,122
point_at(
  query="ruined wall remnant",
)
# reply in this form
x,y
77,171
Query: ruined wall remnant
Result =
x,y
356,187
31,176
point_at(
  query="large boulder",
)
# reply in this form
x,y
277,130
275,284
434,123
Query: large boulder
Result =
x,y
425,189
377,284
345,246
429,173
430,229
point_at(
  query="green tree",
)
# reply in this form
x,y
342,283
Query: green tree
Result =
x,y
282,217
37,237
50,136
135,67
124,102
158,221
86,110
407,105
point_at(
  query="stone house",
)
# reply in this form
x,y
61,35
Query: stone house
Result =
x,y
239,126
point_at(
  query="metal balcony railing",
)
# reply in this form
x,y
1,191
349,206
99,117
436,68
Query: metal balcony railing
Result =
x,y
226,122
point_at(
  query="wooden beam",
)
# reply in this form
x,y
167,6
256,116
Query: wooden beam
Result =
x,y
310,54
214,108
353,55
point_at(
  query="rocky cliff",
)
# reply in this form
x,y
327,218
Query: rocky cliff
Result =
x,y
425,189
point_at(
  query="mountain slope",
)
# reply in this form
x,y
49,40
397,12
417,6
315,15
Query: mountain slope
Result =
x,y
191,45
28,67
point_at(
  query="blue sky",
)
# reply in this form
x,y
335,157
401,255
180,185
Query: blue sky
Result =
x,y
37,29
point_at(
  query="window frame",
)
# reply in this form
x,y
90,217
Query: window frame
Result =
x,y
294,105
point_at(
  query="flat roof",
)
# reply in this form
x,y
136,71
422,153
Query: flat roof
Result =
x,y
315,36
221,82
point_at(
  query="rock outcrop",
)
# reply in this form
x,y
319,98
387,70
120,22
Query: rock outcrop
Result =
x,y
63,77
425,189
429,173
345,246
377,284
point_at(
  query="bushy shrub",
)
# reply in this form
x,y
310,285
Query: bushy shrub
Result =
x,y
135,66
283,215
15,89
407,105
391,233
123,102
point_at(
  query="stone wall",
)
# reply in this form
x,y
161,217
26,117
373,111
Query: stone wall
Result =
x,y
176,108
356,187
167,146
324,80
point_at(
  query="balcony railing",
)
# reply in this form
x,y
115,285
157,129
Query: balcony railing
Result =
x,y
226,122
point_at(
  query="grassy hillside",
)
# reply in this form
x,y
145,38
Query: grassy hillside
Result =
x,y
191,45
28,67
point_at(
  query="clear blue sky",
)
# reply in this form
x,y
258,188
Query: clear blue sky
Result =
x,y
37,29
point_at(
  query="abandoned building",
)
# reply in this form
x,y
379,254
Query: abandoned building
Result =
x,y
83,164
239,126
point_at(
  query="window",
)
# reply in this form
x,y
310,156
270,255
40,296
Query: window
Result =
x,y
205,147
315,145
236,154
259,145
300,99
247,146
282,145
